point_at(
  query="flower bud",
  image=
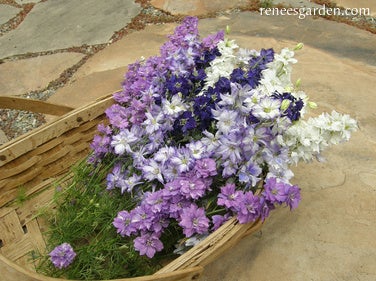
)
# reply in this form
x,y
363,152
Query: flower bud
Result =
x,y
285,104
298,83
312,104
299,46
228,29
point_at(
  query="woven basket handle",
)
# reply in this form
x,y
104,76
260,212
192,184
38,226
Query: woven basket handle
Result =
x,y
36,106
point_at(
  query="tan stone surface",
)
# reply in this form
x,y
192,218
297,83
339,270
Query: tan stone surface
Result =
x,y
196,7
89,88
144,43
21,76
371,4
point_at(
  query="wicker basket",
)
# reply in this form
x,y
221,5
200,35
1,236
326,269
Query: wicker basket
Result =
x,y
35,160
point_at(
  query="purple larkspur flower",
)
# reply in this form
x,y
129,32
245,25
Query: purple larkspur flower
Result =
x,y
148,244
248,207
155,200
265,208
228,196
123,224
192,187
62,256
219,220
293,196
142,217
205,167
212,40
193,220
275,191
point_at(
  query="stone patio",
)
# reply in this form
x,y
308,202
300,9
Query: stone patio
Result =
x,y
331,236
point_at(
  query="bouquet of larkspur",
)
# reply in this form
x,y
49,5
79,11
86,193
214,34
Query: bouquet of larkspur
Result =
x,y
201,133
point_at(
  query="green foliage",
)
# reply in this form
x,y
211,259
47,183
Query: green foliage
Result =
x,y
83,219
266,3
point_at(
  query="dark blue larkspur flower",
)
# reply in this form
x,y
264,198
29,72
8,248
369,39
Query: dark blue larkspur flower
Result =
x,y
239,76
202,109
206,57
223,85
178,84
185,122
293,110
266,56
198,80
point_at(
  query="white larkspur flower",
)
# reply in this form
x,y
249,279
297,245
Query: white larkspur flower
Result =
x,y
267,108
175,106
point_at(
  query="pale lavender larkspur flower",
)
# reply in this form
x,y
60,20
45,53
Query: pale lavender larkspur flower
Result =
x,y
193,220
122,141
183,160
211,141
164,154
249,174
229,168
227,119
151,170
197,149
115,177
62,256
229,148
148,244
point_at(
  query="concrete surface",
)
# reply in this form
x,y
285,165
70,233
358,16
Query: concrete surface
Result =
x,y
7,12
331,236
58,24
22,76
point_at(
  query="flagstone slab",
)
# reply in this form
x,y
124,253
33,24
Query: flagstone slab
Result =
x,y
7,12
61,24
357,4
339,39
196,7
89,88
21,2
128,50
22,76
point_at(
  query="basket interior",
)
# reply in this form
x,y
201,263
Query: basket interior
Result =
x,y
21,229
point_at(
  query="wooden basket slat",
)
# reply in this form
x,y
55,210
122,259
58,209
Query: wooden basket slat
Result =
x,y
27,210
9,172
10,187
56,128
10,229
17,249
33,230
